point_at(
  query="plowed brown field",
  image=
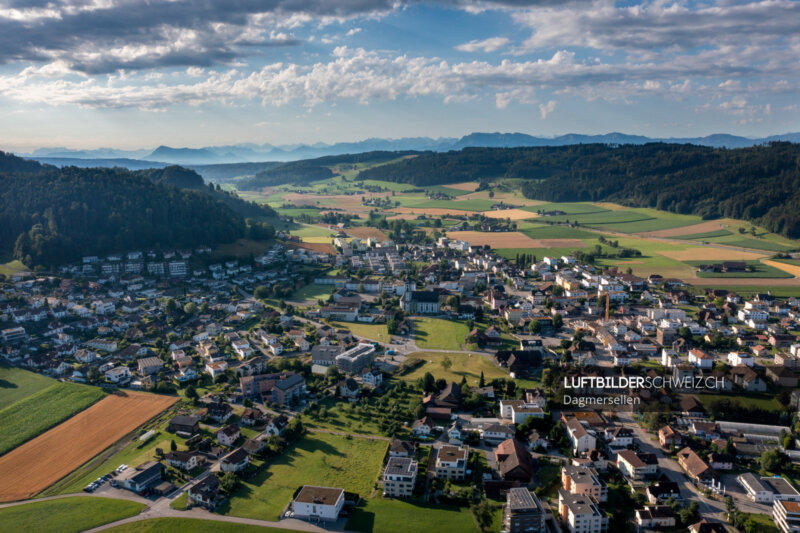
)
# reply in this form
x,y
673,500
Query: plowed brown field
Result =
x,y
37,464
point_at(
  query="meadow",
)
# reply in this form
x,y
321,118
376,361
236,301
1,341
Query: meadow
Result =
x,y
38,412
319,459
439,334
374,332
67,515
462,365
191,525
379,515
17,384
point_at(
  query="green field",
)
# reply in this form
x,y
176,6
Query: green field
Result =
x,y
42,410
463,365
443,189
375,332
312,291
318,459
66,515
12,267
439,334
309,231
761,271
397,516
17,384
703,236
191,525
544,231
760,401
747,291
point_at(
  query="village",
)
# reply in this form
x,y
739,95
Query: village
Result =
x,y
375,344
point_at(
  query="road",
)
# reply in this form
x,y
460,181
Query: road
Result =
x,y
709,508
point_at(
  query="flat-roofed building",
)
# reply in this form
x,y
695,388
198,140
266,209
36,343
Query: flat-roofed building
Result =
x,y
451,462
399,477
583,480
523,512
580,513
318,503
356,359
786,516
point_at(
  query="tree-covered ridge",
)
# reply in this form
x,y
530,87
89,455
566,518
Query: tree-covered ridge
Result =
x,y
55,216
308,170
760,184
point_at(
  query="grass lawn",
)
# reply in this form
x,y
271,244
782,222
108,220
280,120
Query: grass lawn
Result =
x,y
763,523
12,267
191,525
389,516
67,515
375,332
469,365
307,230
318,459
16,384
42,410
365,418
179,503
312,291
761,401
439,334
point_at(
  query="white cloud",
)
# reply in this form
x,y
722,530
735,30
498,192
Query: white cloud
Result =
x,y
546,109
492,44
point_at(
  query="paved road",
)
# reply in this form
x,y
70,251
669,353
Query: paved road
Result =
x,y
709,508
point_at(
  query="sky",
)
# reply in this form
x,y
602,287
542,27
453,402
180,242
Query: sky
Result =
x,y
131,74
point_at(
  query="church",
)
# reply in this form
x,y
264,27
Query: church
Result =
x,y
420,302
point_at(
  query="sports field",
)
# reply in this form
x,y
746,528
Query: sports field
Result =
x,y
37,464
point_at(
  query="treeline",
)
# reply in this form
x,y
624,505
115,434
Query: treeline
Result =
x,y
305,171
760,184
50,216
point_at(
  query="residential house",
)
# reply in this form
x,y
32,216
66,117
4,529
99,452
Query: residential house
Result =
x,y
399,477
451,462
236,461
523,512
228,435
318,503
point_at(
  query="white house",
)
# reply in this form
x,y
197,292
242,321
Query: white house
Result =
x,y
318,503
741,358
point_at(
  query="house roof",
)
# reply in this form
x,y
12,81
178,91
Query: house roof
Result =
x,y
319,495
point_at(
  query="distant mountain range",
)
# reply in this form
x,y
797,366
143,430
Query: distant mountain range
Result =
x,y
251,153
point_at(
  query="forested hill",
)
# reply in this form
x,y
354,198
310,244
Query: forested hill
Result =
x,y
306,171
184,178
49,216
760,184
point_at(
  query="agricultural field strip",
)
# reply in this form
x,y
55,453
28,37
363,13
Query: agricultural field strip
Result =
x,y
32,467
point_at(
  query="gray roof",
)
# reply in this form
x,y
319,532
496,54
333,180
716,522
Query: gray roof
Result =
x,y
402,466
521,499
